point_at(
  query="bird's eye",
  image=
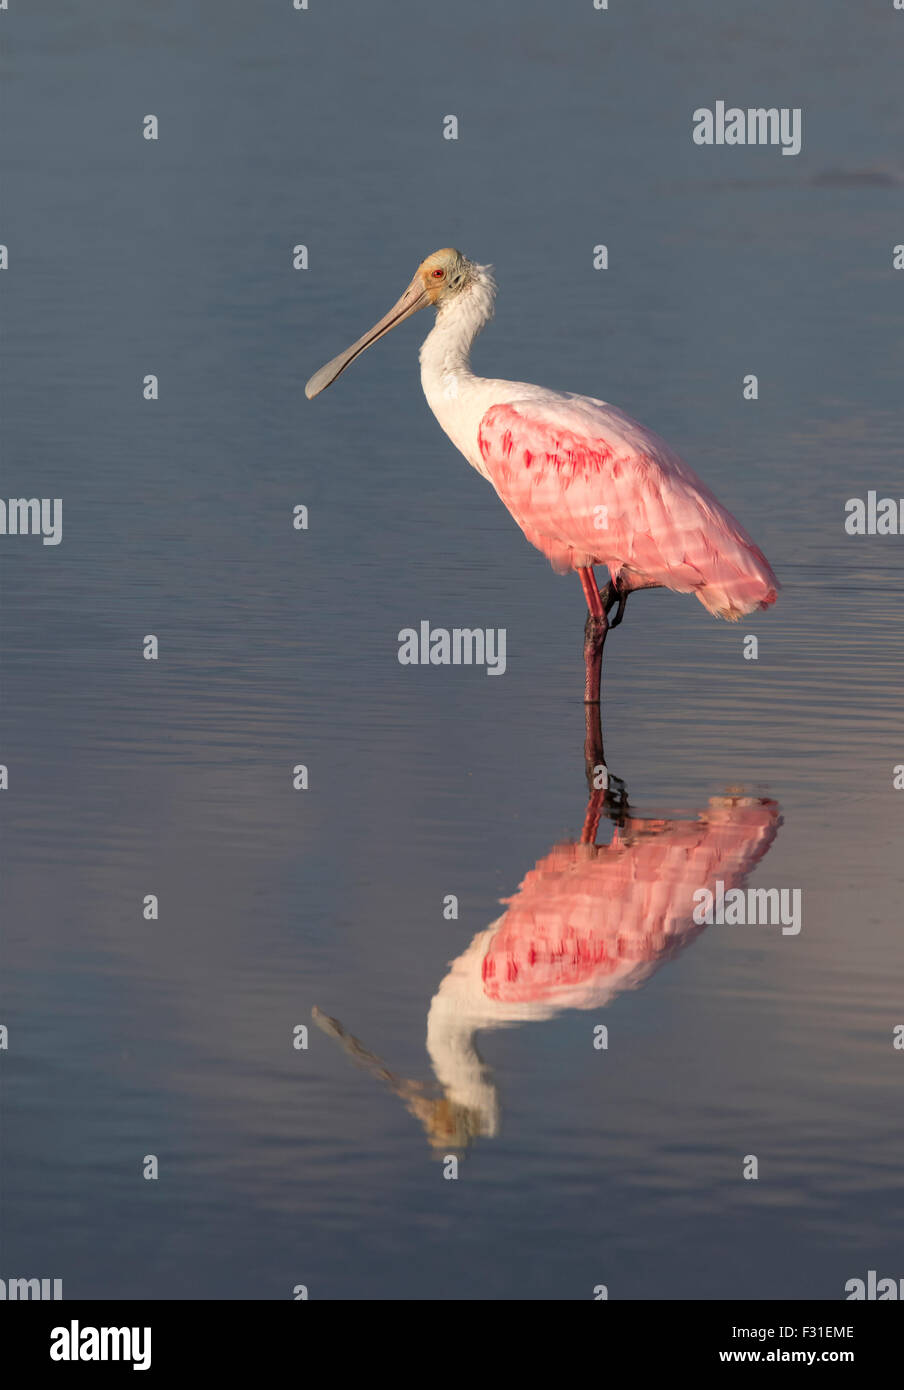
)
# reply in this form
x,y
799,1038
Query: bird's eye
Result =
x,y
437,274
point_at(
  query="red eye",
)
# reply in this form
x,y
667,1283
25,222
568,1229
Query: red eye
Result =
x,y
438,274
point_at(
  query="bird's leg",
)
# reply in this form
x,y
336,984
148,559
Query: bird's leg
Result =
x,y
608,795
616,592
595,629
621,597
595,769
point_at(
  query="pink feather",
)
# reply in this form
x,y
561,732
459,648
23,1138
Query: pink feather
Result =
x,y
588,485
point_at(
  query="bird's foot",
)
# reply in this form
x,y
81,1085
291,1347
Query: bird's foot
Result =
x,y
620,610
617,808
612,594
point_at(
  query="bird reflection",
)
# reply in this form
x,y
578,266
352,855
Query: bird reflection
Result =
x,y
587,922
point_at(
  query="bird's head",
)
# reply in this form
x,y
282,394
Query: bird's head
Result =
x,y
444,275
438,280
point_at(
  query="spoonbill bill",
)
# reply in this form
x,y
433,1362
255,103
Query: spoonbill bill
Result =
x,y
587,484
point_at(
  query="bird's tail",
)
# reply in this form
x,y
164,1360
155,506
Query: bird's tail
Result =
x,y
740,593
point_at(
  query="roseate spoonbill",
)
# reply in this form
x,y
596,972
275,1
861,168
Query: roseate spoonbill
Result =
x,y
587,484
588,922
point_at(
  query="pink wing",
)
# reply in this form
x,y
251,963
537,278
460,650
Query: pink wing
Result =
x,y
588,485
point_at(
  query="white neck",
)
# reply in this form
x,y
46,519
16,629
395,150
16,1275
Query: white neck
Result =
x,y
446,351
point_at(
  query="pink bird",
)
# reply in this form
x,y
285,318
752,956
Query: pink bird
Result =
x,y
587,484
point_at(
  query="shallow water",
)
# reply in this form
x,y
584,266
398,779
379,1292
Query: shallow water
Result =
x,y
579,1165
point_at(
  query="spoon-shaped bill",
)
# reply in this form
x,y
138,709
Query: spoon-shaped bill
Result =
x,y
414,298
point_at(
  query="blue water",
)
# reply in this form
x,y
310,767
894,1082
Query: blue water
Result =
x,y
281,1166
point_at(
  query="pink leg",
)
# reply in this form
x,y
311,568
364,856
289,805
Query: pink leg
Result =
x,y
595,630
591,592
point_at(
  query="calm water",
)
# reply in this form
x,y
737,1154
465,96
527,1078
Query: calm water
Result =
x,y
578,1166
